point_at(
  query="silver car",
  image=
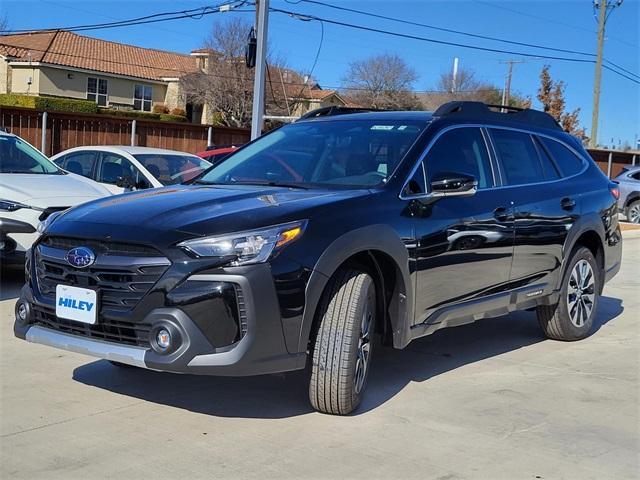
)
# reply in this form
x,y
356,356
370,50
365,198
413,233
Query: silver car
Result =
x,y
629,201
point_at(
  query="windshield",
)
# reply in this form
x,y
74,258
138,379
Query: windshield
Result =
x,y
356,153
170,169
17,156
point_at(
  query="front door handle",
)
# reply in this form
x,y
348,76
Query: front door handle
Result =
x,y
501,214
568,203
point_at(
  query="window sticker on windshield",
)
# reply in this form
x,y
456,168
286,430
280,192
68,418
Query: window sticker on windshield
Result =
x,y
382,127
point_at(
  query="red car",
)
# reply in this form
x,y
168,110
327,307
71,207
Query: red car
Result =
x,y
217,153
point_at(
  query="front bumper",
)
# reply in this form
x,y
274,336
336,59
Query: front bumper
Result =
x,y
260,350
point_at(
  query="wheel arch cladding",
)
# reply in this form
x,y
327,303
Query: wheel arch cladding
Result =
x,y
592,240
632,197
375,247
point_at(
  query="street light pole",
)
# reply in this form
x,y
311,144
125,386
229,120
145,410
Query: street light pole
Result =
x,y
262,20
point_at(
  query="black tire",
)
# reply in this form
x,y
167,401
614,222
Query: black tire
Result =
x,y
632,212
560,322
121,365
340,362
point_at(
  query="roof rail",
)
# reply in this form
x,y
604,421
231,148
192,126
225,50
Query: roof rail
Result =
x,y
497,112
335,110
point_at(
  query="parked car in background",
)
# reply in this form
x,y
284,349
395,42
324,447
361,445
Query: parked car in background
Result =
x,y
121,168
629,201
31,188
218,153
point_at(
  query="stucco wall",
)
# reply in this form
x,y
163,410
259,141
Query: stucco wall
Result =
x,y
72,84
20,80
3,76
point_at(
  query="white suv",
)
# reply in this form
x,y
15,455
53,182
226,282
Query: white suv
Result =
x,y
31,188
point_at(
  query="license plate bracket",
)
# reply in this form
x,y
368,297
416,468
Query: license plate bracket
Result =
x,y
77,304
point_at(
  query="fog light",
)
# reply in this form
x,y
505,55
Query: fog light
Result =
x,y
163,338
22,312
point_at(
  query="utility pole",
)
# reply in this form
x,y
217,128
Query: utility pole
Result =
x,y
506,92
605,7
262,20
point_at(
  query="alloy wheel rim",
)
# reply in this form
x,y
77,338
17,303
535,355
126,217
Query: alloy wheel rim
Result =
x,y
634,214
363,353
581,293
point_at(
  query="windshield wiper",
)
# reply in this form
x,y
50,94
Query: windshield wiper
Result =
x,y
257,183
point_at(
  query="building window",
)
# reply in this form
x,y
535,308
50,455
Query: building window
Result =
x,y
142,98
97,90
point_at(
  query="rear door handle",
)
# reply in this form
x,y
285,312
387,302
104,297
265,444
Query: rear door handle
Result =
x,y
501,214
568,203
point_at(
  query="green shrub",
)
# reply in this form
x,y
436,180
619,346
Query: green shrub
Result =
x,y
52,104
130,114
13,100
173,118
65,105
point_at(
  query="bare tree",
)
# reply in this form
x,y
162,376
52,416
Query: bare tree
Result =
x,y
382,81
551,96
467,87
4,23
225,84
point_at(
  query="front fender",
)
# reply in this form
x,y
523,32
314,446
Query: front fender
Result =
x,y
380,238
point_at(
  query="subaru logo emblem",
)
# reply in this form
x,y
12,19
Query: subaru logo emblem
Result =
x,y
80,257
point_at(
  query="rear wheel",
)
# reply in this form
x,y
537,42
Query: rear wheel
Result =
x,y
633,212
572,317
343,346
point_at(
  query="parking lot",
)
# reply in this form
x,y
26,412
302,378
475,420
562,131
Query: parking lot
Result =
x,y
490,400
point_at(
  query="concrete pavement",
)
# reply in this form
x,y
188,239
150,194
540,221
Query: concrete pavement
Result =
x,y
491,400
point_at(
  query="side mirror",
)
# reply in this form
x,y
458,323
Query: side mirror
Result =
x,y
453,185
125,181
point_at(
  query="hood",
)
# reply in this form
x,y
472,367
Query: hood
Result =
x,y
44,190
205,210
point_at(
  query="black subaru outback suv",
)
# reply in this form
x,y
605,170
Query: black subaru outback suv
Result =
x,y
303,245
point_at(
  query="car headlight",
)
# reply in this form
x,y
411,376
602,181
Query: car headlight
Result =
x,y
254,246
44,224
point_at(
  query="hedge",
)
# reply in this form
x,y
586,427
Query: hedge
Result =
x,y
143,115
48,103
56,104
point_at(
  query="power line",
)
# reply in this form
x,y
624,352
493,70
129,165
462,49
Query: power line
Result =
x,y
442,29
195,13
308,17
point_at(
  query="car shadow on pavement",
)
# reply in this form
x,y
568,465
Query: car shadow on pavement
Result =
x,y
11,281
285,395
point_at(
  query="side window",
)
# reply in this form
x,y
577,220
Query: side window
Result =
x,y
548,165
636,176
461,150
518,157
113,166
417,184
567,161
80,163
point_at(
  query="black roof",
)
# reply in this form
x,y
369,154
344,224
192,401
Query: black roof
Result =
x,y
457,111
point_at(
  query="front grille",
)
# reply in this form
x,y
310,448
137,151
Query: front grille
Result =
x,y
127,333
101,247
121,275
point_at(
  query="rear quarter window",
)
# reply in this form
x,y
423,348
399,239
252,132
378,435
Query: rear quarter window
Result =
x,y
567,161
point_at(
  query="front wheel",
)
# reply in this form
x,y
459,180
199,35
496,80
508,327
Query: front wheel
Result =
x,y
343,345
572,317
